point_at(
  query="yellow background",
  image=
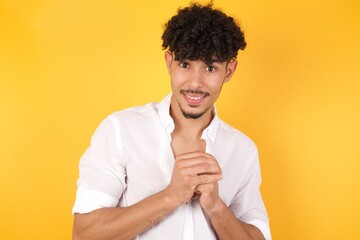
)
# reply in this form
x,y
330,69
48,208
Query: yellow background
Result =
x,y
66,64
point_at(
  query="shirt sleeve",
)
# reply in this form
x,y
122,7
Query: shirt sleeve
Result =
x,y
248,205
102,170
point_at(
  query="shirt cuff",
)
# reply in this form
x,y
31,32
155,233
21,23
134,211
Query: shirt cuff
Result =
x,y
88,200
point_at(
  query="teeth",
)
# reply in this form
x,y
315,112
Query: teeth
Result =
x,y
195,98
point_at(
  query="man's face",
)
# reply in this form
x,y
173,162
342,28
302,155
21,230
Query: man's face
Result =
x,y
196,85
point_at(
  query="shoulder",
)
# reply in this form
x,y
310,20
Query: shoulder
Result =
x,y
134,115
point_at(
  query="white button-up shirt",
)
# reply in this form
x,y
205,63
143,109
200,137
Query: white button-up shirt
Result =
x,y
130,158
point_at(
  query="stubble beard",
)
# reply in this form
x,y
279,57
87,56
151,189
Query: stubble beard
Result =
x,y
190,115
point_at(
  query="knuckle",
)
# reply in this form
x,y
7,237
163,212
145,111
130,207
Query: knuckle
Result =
x,y
204,178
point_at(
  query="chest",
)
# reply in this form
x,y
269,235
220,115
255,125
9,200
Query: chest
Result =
x,y
149,165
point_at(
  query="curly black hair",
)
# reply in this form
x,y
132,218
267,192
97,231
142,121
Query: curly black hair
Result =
x,y
200,32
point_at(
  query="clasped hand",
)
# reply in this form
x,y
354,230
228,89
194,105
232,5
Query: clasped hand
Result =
x,y
196,173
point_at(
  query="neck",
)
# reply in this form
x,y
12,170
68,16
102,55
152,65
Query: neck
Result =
x,y
188,127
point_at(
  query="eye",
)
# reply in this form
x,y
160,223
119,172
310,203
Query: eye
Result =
x,y
210,68
184,65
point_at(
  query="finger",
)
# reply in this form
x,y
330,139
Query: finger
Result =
x,y
203,187
187,162
206,188
205,179
194,155
200,169
195,181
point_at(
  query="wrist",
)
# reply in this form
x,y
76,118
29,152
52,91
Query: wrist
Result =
x,y
216,209
170,199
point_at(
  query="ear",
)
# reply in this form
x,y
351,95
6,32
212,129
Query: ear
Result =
x,y
168,60
230,69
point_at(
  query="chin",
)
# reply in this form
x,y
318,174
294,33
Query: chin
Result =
x,y
192,114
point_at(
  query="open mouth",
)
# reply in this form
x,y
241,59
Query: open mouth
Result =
x,y
194,98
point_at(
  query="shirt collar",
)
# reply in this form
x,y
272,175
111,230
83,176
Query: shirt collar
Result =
x,y
168,123
164,115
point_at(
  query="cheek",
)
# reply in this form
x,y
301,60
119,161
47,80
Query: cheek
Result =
x,y
177,79
175,83
215,84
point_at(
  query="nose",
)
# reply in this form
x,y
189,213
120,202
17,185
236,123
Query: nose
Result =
x,y
196,79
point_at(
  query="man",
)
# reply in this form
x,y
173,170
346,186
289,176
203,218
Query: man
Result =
x,y
174,170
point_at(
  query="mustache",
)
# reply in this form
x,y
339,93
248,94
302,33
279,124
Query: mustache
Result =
x,y
194,91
